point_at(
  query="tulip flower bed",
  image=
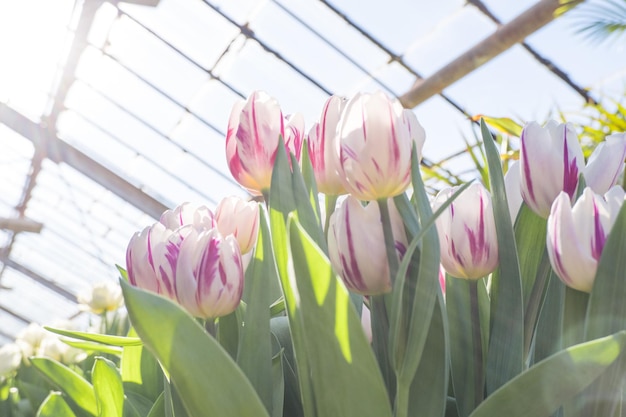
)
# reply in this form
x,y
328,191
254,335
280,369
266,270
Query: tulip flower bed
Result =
x,y
498,299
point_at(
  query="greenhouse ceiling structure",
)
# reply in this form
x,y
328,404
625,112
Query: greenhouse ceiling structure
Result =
x,y
113,111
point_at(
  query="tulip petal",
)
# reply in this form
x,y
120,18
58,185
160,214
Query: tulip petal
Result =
x,y
606,163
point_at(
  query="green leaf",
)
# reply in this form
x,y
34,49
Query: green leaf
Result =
x,y
278,382
429,387
254,356
503,124
93,347
229,330
463,370
506,340
347,381
292,402
73,385
141,373
208,380
107,384
158,408
540,390
55,406
548,335
97,337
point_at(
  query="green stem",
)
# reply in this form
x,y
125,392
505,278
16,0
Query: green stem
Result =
x,y
330,203
477,344
390,244
380,337
401,408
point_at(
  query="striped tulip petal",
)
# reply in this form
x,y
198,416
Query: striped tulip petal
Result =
x,y
356,246
551,160
576,235
606,163
467,233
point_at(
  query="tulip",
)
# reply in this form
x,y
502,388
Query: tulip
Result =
x,y
10,359
254,129
199,216
151,259
209,274
322,145
104,296
375,139
606,163
356,246
512,180
550,161
467,233
240,218
576,235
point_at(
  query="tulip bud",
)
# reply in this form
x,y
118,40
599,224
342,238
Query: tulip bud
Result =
x,y
209,274
240,218
512,187
199,216
322,143
467,233
576,235
254,129
10,359
356,246
375,139
550,161
151,259
104,296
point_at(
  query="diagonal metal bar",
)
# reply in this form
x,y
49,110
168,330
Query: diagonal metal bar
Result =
x,y
59,151
10,263
507,35
551,66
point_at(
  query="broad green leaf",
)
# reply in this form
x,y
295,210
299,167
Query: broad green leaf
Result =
x,y
548,335
292,402
55,406
141,373
123,272
282,203
347,381
430,384
107,384
254,356
93,346
506,344
414,298
158,408
97,337
209,381
540,390
467,380
73,385
308,176
278,382
136,404
229,331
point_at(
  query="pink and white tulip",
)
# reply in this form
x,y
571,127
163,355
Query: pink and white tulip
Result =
x,y
254,129
550,161
240,218
576,235
151,260
356,246
187,213
606,163
322,145
209,274
376,135
467,233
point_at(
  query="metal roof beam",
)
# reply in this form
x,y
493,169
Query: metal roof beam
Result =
x,y
39,279
505,36
59,151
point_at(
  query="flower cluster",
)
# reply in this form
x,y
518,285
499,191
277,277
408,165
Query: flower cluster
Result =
x,y
195,257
